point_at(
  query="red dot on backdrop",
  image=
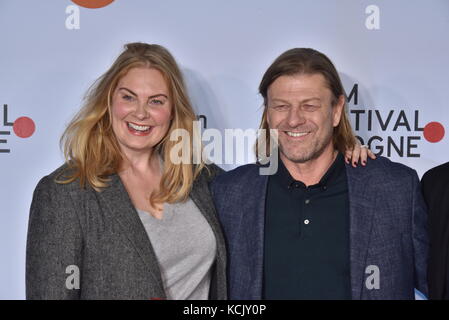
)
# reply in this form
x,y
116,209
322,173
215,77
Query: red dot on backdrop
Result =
x,y
24,127
433,132
93,4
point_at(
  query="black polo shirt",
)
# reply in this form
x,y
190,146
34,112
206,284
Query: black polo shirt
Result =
x,y
307,236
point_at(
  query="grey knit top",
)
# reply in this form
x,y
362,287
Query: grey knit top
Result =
x,y
185,248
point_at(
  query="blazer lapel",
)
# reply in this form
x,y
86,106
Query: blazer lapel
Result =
x,y
253,227
116,199
202,198
361,210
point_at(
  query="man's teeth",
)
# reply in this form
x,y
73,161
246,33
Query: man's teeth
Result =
x,y
138,128
296,134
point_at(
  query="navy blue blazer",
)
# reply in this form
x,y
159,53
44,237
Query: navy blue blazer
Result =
x,y
388,229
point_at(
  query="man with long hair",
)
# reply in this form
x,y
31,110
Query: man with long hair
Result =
x,y
319,228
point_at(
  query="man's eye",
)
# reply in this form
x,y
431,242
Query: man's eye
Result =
x,y
280,107
310,107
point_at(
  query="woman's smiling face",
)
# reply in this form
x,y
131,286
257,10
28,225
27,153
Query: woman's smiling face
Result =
x,y
141,110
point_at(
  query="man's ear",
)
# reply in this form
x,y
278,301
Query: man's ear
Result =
x,y
337,110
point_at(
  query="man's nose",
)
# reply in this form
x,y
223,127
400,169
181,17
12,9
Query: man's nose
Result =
x,y
295,117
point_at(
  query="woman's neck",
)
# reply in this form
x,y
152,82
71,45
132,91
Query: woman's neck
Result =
x,y
141,164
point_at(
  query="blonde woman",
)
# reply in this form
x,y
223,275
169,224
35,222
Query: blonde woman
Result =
x,y
119,220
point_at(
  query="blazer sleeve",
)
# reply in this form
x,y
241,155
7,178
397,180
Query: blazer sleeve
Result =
x,y
420,237
54,244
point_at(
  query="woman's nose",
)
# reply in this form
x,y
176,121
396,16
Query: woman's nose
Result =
x,y
141,111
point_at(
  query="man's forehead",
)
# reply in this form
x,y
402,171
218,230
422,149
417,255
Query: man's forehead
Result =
x,y
310,86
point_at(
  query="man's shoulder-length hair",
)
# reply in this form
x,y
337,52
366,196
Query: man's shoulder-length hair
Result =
x,y
306,61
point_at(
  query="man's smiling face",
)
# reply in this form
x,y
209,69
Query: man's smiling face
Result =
x,y
300,108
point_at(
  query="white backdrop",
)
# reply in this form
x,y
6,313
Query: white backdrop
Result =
x,y
52,50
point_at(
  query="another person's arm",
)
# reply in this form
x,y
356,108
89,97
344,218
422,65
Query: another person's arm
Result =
x,y
358,153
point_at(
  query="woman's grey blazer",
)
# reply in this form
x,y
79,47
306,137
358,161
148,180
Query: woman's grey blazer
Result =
x,y
101,235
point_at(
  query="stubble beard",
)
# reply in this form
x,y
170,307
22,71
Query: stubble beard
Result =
x,y
317,148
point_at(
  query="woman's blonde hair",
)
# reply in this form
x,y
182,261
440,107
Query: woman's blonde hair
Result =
x,y
90,146
306,61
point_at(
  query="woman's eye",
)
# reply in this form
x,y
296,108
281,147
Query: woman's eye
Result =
x,y
156,102
127,97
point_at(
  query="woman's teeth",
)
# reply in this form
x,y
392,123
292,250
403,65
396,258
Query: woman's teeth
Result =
x,y
137,127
